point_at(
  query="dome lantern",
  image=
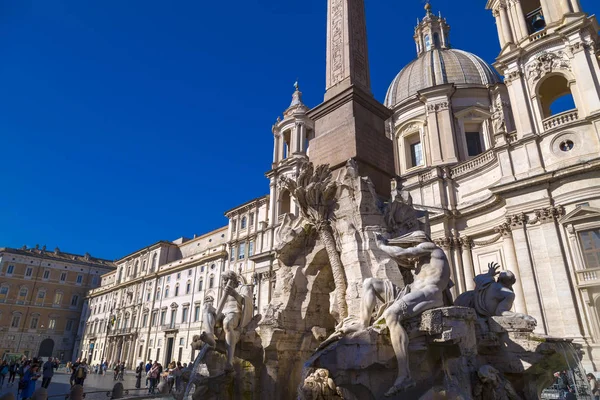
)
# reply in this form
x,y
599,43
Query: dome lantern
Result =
x,y
432,32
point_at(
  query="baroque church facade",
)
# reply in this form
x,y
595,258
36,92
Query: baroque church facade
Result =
x,y
501,176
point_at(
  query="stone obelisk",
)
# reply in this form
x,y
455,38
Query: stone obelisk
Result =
x,y
350,123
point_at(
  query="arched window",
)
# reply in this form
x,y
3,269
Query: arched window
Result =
x,y
436,40
154,262
157,294
211,281
555,96
177,290
41,295
427,42
23,291
243,223
285,202
200,283
166,292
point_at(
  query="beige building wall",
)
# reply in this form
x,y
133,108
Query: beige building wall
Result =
x,y
42,295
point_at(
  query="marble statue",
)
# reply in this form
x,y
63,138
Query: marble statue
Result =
x,y
492,297
233,313
431,279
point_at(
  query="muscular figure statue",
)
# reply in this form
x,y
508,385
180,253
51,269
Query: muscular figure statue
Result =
x,y
431,279
490,297
233,317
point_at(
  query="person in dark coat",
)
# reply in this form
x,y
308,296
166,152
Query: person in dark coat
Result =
x,y
138,375
47,373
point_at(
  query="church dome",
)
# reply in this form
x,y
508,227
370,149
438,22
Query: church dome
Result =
x,y
437,67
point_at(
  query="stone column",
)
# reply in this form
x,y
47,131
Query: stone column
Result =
x,y
567,322
277,139
496,14
467,259
565,6
296,146
583,68
446,245
508,38
512,15
576,6
547,11
458,265
521,19
528,278
510,255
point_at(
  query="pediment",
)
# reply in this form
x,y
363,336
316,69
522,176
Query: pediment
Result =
x,y
473,112
581,214
174,305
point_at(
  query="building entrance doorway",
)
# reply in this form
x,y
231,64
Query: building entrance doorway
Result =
x,y
169,353
46,348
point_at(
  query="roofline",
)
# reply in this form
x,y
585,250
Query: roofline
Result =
x,y
49,255
223,228
146,248
264,197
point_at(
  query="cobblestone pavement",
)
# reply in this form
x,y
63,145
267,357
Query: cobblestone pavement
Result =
x,y
93,383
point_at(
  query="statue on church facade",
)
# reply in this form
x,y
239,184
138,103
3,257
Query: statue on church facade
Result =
x,y
233,313
492,297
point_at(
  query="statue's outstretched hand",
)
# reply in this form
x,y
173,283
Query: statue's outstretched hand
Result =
x,y
380,239
493,268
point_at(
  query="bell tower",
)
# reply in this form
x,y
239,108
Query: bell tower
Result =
x,y
549,59
350,123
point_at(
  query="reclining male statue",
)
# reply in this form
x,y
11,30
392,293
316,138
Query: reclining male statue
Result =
x,y
431,271
492,297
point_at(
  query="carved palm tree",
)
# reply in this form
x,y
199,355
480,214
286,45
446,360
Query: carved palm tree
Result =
x,y
314,191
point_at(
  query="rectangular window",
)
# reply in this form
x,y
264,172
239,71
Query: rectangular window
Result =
x,y
168,278
151,342
79,279
159,344
63,276
69,325
163,315
184,315
233,226
140,351
46,275
251,248
10,270
74,300
251,219
590,243
58,299
16,321
34,323
144,320
52,323
188,287
416,154
473,143
202,268
189,272
94,280
181,341
242,251
28,272
148,296
232,258
196,313
178,275
153,320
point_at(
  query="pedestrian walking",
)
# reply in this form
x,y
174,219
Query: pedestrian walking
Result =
x,y
153,375
47,373
148,366
3,372
138,375
81,372
12,371
27,382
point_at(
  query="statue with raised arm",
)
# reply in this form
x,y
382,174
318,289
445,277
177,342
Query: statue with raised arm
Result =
x,y
428,290
492,297
233,313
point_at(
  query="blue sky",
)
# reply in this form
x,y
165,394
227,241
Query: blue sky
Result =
x,y
128,122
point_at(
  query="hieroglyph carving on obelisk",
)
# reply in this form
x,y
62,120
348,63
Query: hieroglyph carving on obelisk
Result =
x,y
347,56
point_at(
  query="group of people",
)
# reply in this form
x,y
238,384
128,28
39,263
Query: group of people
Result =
x,y
79,371
28,371
154,373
